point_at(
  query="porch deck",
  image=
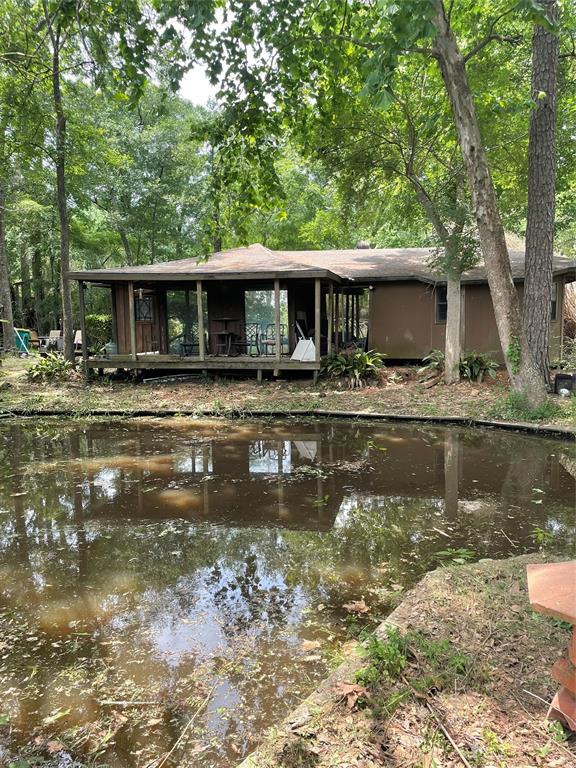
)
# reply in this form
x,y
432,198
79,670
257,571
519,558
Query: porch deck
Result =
x,y
148,361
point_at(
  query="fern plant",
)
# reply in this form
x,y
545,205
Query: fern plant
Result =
x,y
434,362
355,365
475,365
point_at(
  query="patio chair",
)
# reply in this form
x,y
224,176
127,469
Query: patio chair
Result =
x,y
34,340
268,343
53,342
190,347
249,341
78,341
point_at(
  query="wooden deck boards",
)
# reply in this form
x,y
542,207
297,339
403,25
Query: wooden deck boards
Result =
x,y
210,363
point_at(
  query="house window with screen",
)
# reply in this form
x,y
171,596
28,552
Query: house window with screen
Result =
x,y
554,303
441,303
143,309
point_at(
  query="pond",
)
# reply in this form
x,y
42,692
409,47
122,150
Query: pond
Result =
x,y
179,584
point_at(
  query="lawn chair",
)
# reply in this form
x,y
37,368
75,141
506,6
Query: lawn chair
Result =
x,y
268,343
78,341
190,344
54,341
249,341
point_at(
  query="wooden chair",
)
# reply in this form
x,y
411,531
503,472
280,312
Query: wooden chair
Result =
x,y
34,340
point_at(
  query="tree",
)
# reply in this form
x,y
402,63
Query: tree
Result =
x,y
399,152
445,50
541,190
105,39
287,49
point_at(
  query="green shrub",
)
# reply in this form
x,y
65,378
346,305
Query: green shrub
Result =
x,y
475,365
568,361
355,365
98,330
434,362
49,368
516,407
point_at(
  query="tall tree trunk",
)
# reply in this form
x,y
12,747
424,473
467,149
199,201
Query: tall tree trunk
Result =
x,y
26,288
38,289
452,348
541,193
520,364
60,135
453,340
6,311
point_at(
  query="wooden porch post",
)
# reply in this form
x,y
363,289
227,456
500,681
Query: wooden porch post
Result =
x,y
201,339
337,319
188,319
277,329
81,289
317,317
330,309
132,320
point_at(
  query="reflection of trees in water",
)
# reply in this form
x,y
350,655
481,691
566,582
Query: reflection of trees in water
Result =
x,y
256,581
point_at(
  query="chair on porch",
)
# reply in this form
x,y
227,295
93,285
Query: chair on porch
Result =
x,y
249,341
190,344
268,342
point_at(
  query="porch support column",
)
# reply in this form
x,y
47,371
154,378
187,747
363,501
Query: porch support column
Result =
x,y
337,319
81,289
317,316
188,318
277,334
201,338
132,321
330,310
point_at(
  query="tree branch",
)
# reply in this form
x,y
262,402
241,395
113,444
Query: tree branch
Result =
x,y
481,44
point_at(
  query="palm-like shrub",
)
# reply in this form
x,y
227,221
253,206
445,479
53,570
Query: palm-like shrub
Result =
x,y
355,365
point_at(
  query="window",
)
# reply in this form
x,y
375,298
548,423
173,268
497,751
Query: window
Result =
x,y
554,303
143,308
441,303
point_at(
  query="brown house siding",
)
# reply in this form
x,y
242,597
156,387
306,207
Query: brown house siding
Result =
x,y
403,321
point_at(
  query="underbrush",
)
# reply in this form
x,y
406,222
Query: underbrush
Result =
x,y
53,367
421,666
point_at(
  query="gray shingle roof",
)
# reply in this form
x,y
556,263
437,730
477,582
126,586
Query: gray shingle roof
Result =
x,y
358,264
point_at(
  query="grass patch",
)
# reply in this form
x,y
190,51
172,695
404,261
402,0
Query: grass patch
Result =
x,y
516,408
421,667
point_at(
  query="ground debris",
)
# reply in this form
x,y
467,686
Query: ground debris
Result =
x,y
459,700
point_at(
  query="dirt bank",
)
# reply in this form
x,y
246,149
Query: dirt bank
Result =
x,y
459,676
397,392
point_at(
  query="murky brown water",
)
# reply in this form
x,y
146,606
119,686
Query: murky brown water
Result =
x,y
161,576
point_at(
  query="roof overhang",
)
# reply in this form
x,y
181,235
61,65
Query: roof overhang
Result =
x,y
107,277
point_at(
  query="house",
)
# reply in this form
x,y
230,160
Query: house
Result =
x,y
247,308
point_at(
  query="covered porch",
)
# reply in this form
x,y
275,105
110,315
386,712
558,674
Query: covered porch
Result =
x,y
277,323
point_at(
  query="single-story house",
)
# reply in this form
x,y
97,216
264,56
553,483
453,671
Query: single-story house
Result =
x,y
252,308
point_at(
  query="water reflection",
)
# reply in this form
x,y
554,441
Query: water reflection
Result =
x,y
164,561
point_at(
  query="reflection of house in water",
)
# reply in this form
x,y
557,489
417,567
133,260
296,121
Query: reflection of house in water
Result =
x,y
238,482
304,476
